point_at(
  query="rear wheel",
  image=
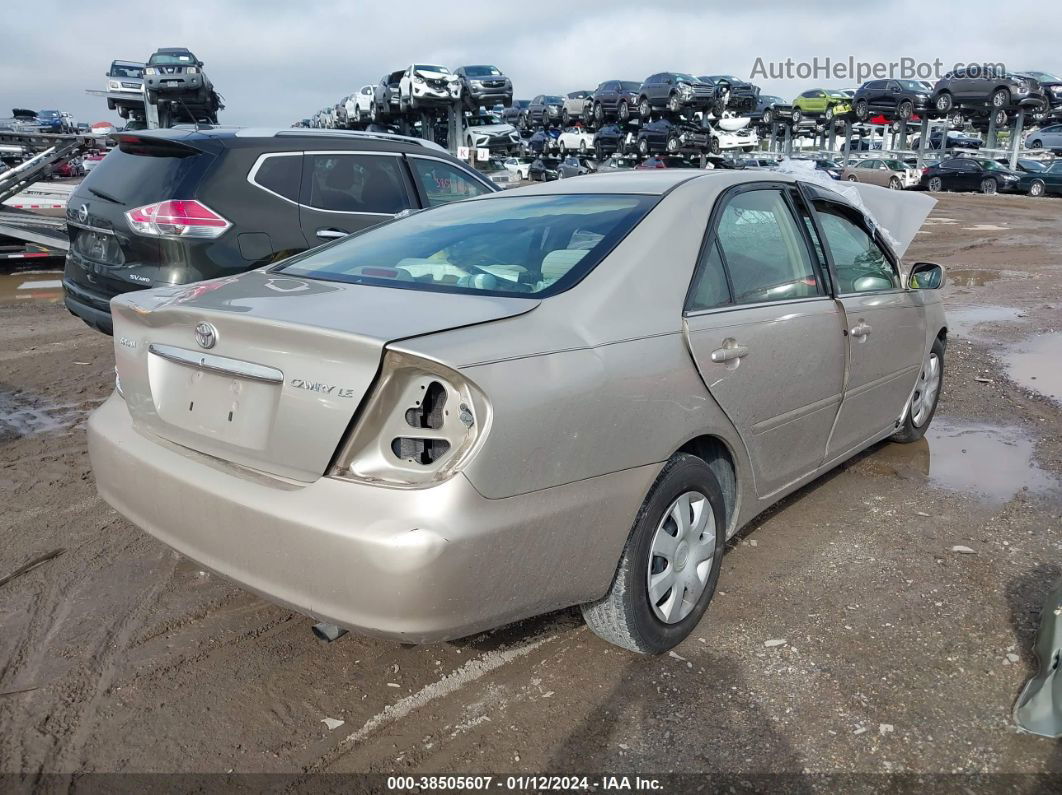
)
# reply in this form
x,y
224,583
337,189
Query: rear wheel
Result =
x,y
599,151
924,399
943,103
582,147
645,110
828,114
935,185
670,565
566,117
1037,144
853,178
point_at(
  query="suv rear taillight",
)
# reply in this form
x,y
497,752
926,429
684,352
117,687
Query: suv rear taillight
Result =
x,y
177,218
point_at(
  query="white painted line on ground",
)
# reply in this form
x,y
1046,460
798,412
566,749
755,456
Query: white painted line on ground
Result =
x,y
466,674
47,284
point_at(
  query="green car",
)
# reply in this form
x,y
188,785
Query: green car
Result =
x,y
823,102
1038,179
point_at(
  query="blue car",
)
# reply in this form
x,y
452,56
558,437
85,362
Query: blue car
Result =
x,y
50,121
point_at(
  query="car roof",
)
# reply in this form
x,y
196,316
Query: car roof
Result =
x,y
187,132
655,182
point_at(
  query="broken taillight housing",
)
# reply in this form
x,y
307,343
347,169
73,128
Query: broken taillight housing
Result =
x,y
177,218
420,425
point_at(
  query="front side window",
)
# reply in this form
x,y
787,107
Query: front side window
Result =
x,y
442,183
525,246
764,250
354,183
859,263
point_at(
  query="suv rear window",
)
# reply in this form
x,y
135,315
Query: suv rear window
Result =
x,y
136,175
528,246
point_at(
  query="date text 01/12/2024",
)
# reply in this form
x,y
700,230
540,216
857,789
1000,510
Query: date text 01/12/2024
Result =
x,y
527,782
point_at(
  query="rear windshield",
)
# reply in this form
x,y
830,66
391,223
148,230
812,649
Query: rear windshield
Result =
x,y
519,246
136,179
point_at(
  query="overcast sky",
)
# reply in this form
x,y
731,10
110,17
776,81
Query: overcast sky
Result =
x,y
275,61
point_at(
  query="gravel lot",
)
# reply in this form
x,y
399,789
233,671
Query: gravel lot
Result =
x,y
847,635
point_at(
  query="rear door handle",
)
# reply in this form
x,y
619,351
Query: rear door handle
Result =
x,y
720,355
331,234
861,329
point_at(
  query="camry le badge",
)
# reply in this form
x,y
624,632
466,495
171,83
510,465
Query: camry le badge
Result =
x,y
206,335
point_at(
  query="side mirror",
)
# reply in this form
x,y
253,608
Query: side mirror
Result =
x,y
926,276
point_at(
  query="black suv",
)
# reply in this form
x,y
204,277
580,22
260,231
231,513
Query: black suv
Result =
x,y
899,99
173,206
484,86
997,89
677,92
615,99
738,95
545,109
514,115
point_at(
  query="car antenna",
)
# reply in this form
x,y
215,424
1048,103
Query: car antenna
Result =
x,y
195,121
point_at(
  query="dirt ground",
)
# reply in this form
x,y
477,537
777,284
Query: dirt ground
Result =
x,y
900,655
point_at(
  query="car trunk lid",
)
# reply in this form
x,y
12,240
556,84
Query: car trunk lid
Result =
x,y
289,362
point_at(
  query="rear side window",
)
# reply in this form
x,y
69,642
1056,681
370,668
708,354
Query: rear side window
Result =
x,y
442,183
280,174
709,286
354,183
763,249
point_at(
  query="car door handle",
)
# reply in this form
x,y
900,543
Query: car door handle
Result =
x,y
720,355
331,234
861,330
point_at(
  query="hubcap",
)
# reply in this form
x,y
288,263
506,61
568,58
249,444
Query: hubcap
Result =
x,y
925,396
680,557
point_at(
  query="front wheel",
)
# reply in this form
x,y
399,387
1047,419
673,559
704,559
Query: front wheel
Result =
x,y
988,186
645,110
853,178
943,103
924,398
1001,98
1036,144
670,565
895,184
643,147
797,116
714,146
906,110
1037,188
862,110
828,115
566,117
768,116
623,111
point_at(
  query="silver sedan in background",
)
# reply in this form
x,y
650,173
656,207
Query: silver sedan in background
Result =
x,y
885,172
568,394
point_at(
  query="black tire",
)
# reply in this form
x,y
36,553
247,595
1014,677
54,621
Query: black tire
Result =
x,y
713,145
1037,144
989,186
895,184
643,147
674,104
862,109
599,151
110,104
909,432
152,97
566,117
1037,188
905,110
673,144
797,116
1000,117
599,113
645,110
768,116
935,184
852,178
623,111
942,104
582,147
1000,98
625,616
828,114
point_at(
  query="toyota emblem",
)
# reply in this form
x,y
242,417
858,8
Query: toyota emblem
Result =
x,y
206,335
82,213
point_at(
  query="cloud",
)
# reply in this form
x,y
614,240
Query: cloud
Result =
x,y
276,61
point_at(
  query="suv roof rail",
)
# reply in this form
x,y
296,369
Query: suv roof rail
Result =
x,y
406,139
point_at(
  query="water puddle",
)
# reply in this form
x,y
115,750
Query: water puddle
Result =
x,y
985,228
31,285
991,462
22,415
1036,363
976,277
963,321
